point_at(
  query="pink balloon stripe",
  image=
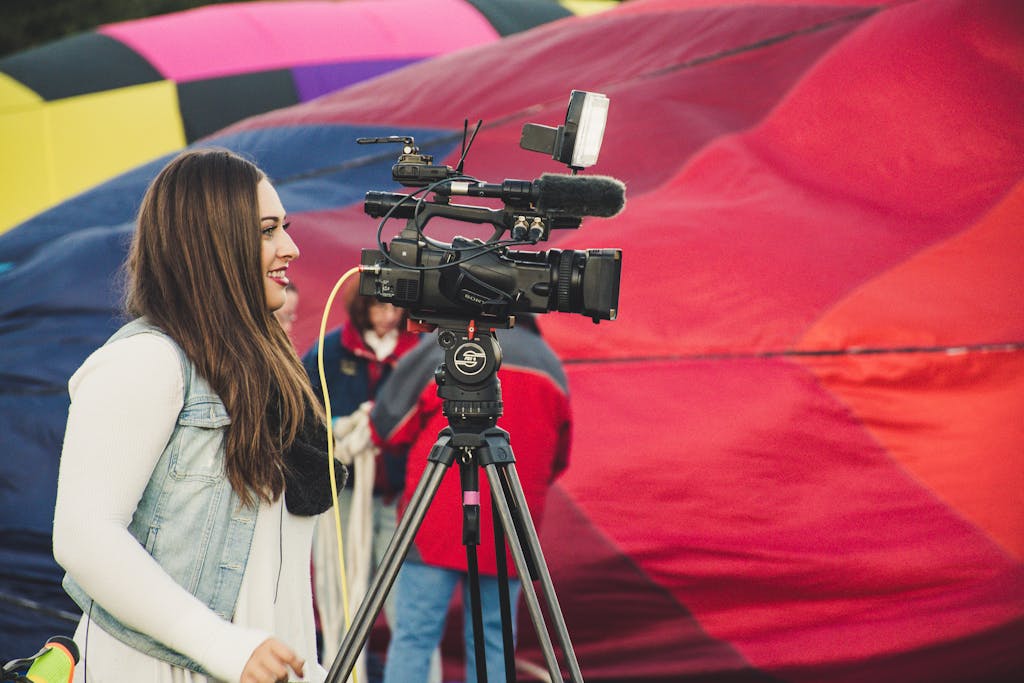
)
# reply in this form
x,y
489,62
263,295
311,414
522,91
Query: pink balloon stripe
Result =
x,y
221,40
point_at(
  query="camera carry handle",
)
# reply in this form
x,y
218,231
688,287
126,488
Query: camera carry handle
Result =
x,y
468,383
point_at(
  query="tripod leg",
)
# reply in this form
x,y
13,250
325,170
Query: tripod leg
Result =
x,y
530,536
504,598
476,611
515,492
384,577
469,474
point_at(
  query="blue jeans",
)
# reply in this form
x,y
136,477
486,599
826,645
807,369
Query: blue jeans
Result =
x,y
422,594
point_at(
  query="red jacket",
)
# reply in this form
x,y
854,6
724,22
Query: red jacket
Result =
x,y
407,415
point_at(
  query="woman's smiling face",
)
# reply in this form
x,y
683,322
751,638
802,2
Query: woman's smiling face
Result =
x,y
278,248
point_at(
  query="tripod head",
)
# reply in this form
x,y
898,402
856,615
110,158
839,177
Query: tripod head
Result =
x,y
467,380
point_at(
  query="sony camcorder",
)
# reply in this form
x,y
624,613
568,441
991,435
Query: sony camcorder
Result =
x,y
487,282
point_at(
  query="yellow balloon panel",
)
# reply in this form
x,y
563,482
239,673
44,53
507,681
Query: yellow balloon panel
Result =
x,y
98,136
15,96
86,140
26,183
583,7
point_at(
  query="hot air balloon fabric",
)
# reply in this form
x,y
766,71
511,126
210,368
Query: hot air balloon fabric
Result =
x,y
79,110
797,451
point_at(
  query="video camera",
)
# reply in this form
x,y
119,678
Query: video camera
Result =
x,y
485,281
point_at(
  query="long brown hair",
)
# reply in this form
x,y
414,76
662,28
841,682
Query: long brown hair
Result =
x,y
194,270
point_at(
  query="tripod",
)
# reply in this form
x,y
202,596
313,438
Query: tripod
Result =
x,y
471,393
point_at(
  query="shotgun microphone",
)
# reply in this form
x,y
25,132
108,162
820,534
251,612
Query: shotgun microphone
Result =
x,y
554,193
578,195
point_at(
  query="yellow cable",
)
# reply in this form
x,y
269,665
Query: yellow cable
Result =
x,y
330,448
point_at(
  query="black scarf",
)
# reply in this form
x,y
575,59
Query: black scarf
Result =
x,y
307,480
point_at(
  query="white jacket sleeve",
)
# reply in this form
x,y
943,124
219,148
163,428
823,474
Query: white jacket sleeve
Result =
x,y
125,400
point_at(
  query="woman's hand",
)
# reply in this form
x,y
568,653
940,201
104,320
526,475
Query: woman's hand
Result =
x,y
269,663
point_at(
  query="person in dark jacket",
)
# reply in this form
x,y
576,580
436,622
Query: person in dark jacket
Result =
x,y
408,416
357,358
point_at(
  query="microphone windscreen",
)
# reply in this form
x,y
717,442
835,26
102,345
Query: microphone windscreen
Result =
x,y
577,195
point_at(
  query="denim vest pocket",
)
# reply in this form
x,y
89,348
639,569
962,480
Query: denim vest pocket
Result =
x,y
198,452
150,543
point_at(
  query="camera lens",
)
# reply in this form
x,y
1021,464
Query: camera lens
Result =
x,y
587,282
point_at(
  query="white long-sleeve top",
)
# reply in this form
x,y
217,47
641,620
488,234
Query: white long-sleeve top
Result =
x,y
125,400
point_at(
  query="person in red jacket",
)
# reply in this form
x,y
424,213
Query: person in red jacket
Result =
x,y
407,415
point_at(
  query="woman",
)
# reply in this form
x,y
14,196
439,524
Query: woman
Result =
x,y
194,459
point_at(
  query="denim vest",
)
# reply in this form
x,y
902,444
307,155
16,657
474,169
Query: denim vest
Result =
x,y
189,518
